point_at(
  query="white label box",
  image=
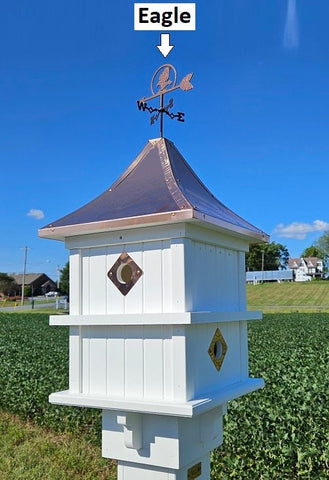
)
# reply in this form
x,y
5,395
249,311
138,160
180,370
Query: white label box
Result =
x,y
164,16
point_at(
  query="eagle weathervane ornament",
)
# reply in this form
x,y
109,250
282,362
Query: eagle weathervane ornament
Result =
x,y
164,81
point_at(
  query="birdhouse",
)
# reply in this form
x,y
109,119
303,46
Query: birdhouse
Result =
x,y
158,319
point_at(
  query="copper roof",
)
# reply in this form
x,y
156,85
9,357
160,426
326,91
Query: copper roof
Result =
x,y
158,187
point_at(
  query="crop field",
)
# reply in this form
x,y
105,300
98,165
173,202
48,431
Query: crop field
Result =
x,y
301,296
34,363
280,432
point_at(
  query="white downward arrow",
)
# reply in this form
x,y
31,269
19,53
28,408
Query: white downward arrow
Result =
x,y
165,47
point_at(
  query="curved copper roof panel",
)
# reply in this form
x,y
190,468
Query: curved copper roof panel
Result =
x,y
158,187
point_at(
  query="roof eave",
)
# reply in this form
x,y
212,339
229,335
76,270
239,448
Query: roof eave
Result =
x,y
252,236
62,232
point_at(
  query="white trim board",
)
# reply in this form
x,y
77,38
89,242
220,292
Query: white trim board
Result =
x,y
179,318
187,409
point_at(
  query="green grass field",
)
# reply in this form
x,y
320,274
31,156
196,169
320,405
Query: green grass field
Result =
x,y
30,452
279,432
38,440
289,296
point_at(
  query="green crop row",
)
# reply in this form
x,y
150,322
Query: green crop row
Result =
x,y
280,432
33,364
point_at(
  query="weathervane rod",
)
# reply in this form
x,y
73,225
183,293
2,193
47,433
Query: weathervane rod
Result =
x,y
161,115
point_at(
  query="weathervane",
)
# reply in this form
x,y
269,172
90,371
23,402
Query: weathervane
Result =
x,y
164,81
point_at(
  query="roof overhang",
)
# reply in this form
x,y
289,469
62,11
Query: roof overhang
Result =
x,y
187,215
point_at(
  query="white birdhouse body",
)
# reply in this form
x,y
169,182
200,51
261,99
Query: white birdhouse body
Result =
x,y
158,321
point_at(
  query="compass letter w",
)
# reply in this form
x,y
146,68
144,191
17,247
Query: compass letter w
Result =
x,y
141,105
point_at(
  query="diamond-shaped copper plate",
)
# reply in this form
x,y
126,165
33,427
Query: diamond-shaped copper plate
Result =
x,y
125,273
217,349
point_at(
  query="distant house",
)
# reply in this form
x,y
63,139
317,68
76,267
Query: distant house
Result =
x,y
306,267
39,283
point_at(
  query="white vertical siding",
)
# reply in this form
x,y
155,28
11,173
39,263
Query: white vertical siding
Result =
x,y
211,277
85,283
153,278
152,292
169,363
177,278
115,380
244,369
158,363
85,360
179,362
75,360
97,285
166,287
75,287
153,364
134,362
241,277
202,375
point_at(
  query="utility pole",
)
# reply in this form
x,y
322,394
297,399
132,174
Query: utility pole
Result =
x,y
58,270
24,272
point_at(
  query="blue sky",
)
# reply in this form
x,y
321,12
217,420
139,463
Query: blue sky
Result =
x,y
256,129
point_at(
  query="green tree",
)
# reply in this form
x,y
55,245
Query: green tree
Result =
x,y
8,286
267,256
64,281
27,291
323,245
312,251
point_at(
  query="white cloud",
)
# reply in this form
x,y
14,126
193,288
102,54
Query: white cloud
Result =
x,y
291,33
299,230
38,214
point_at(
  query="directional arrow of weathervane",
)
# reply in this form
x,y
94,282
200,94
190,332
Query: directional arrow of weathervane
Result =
x,y
184,85
165,47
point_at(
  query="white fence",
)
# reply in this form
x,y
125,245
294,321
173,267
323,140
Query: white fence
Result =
x,y
270,276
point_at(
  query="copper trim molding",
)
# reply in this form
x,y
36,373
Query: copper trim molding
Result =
x,y
64,231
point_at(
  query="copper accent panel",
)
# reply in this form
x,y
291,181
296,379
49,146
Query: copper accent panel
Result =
x,y
125,273
194,472
217,349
